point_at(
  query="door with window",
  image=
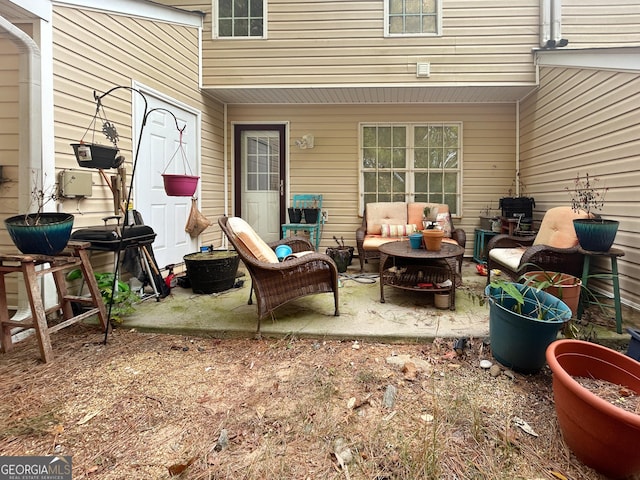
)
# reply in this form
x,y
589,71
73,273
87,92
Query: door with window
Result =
x,y
259,158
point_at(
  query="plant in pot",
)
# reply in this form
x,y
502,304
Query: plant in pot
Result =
x,y
523,321
341,254
601,434
295,215
594,233
432,234
311,213
40,232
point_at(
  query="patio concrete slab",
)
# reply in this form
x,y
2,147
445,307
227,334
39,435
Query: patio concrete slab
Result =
x,y
405,316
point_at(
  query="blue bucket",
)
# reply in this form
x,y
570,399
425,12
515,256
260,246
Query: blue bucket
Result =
x,y
415,239
283,251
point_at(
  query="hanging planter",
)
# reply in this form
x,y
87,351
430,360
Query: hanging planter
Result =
x,y
180,185
90,154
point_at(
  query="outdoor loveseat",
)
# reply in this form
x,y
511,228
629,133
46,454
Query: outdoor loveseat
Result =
x,y
384,222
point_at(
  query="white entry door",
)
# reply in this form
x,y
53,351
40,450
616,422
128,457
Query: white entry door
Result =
x,y
159,153
261,184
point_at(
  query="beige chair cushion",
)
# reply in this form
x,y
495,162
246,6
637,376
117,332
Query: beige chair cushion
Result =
x,y
507,257
390,213
250,239
556,229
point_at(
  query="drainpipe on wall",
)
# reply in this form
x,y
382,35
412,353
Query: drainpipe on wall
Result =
x,y
30,154
518,148
224,240
30,138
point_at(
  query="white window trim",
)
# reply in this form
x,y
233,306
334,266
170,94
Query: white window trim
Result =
x,y
438,32
214,23
410,126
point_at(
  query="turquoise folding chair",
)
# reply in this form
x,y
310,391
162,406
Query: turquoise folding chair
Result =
x,y
302,202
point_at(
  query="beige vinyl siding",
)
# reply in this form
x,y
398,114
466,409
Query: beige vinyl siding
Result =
x,y
583,121
342,42
601,23
98,51
331,168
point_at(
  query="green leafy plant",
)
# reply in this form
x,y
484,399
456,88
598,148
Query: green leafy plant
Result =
x,y
122,300
506,289
586,195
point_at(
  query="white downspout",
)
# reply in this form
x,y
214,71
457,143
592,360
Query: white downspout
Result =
x,y
29,95
31,167
225,154
518,148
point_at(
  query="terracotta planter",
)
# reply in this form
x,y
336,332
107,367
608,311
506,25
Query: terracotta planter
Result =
x,y
432,239
562,285
600,434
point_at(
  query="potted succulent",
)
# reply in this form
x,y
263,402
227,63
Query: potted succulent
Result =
x,y
523,321
594,233
40,232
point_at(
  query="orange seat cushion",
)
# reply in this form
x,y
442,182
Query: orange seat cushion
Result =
x,y
556,229
250,239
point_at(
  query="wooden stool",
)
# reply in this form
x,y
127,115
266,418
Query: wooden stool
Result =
x,y
74,256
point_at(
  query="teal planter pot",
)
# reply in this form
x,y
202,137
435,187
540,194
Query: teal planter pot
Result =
x,y
596,235
518,340
48,237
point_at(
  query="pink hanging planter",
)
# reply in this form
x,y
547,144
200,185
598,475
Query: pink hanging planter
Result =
x,y
180,185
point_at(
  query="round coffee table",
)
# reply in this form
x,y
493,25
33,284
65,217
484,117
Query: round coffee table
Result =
x,y
418,269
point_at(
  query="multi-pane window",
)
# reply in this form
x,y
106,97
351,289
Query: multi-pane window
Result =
x,y
412,17
240,18
412,162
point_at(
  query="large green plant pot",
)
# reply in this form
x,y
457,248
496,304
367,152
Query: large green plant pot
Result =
x,y
519,341
602,435
48,236
596,234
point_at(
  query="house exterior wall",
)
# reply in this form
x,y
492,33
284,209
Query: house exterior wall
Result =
x,y
97,51
586,121
600,23
331,168
9,128
318,42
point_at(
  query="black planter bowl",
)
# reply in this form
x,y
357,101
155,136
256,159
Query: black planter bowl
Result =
x,y
90,155
48,237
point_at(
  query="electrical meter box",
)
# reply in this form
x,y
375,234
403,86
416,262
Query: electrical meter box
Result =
x,y
76,183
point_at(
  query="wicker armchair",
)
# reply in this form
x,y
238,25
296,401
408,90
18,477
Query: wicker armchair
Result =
x,y
554,248
276,283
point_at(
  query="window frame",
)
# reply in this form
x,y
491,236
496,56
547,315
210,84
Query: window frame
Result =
x,y
437,33
410,169
215,26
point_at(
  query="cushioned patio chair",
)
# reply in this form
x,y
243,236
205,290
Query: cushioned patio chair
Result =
x,y
554,248
303,273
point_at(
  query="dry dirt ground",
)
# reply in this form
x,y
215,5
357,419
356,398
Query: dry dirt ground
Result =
x,y
151,406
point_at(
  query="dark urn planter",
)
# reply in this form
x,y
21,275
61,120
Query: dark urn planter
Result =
x,y
596,234
91,155
295,215
519,340
211,272
342,256
601,435
46,236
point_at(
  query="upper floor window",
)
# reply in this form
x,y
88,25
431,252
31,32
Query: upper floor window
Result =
x,y
413,17
412,163
240,18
